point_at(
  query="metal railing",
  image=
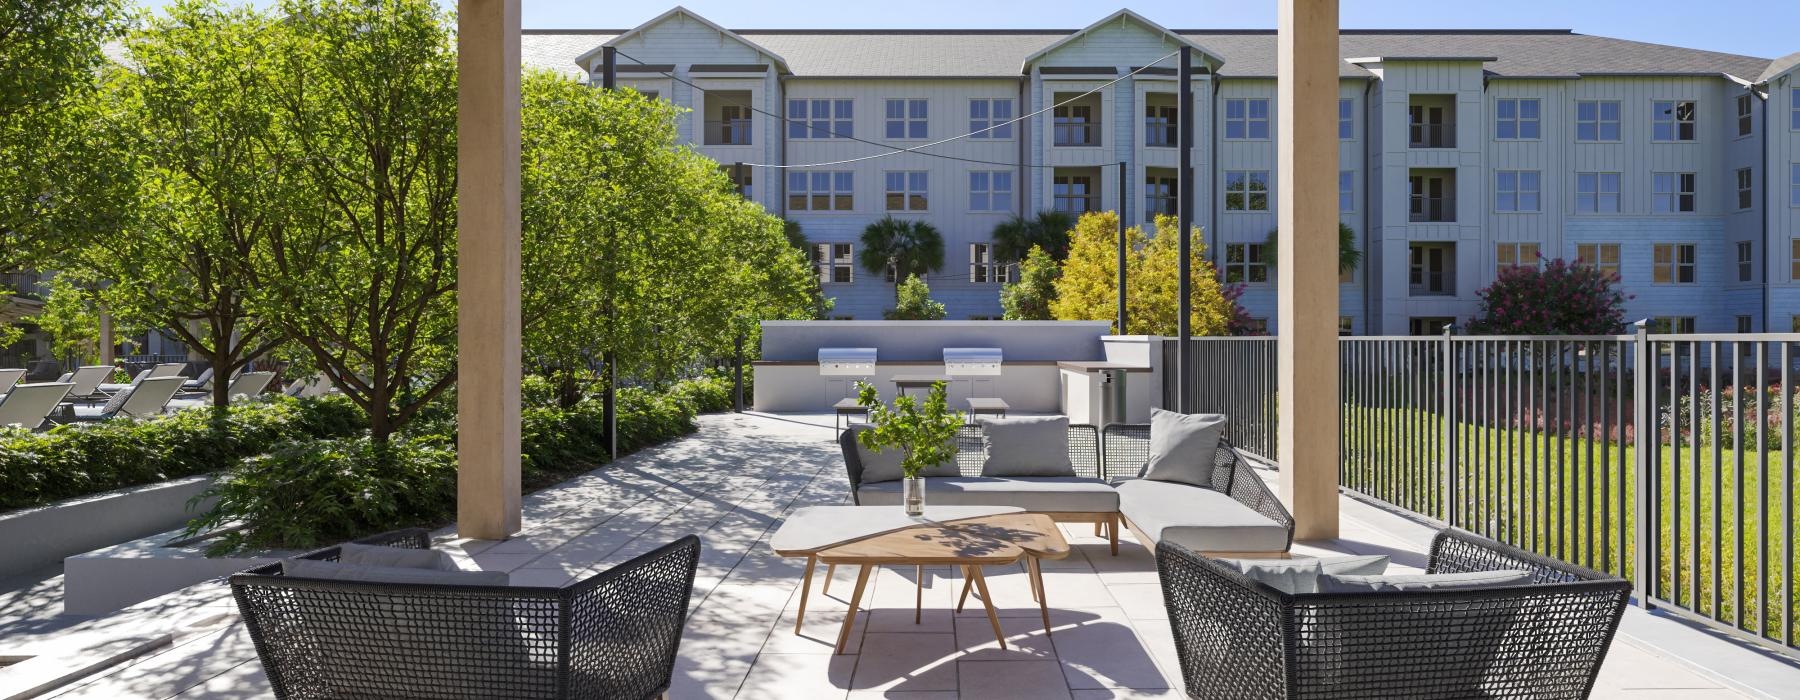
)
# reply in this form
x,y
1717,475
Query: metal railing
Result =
x,y
1431,135
1664,458
727,132
1076,134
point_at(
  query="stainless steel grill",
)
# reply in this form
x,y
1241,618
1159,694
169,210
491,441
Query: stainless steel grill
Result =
x,y
972,362
847,362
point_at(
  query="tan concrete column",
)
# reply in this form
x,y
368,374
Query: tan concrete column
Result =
x,y
1307,278
487,314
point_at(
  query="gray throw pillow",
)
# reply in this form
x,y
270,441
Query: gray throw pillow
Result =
x,y
403,557
1302,575
1034,446
1182,447
333,571
885,465
1329,583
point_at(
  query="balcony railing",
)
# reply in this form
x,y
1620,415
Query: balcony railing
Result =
x,y
1160,134
1433,209
1077,134
1666,459
729,132
1432,135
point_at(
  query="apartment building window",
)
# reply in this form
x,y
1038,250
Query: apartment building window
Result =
x,y
1346,191
1794,107
1601,256
992,115
1073,125
1671,324
990,190
983,269
821,191
834,263
1794,260
1743,326
733,127
1159,196
1246,190
1247,118
1246,262
1671,192
1428,325
1432,269
1794,185
1745,189
1597,193
1746,265
1744,121
1794,324
906,119
740,178
1346,325
1673,264
1511,255
1516,118
1160,124
1074,194
1597,120
1516,190
906,190
821,119
1346,119
1672,120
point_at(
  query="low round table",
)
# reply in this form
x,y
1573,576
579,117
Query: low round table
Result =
x,y
968,537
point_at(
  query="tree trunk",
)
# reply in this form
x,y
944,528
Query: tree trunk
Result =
x,y
220,357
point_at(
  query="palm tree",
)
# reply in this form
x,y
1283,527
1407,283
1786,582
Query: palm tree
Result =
x,y
1049,230
912,247
795,237
1348,256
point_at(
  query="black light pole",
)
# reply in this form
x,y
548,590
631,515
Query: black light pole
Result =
x,y
1121,260
1185,219
609,410
737,384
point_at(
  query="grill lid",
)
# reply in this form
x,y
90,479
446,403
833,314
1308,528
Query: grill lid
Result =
x,y
972,361
857,362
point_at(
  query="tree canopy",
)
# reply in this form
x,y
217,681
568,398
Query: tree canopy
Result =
x,y
913,302
1563,298
1029,298
1088,287
911,246
1048,229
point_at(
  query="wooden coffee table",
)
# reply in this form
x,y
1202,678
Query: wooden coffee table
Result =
x,y
968,537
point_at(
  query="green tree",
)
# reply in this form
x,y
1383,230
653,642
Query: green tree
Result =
x,y
913,302
1088,286
1563,298
1348,256
910,246
1029,298
364,276
1049,229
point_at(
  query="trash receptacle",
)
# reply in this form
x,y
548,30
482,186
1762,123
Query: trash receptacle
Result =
x,y
1112,397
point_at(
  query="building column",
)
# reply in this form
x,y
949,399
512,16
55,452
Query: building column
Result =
x,y
1307,277
487,314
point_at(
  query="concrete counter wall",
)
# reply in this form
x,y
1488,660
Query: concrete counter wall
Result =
x,y
924,341
1029,387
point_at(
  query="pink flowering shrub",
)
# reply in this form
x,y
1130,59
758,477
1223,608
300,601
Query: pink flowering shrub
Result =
x,y
1563,298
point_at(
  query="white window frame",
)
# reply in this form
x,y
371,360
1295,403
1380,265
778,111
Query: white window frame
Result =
x,y
1746,122
1595,255
1675,265
1154,124
1246,194
914,124
1794,109
1599,122
1591,201
1247,263
1062,120
1672,198
1746,261
991,125
914,190
984,268
1674,122
838,122
839,190
1090,198
1518,121
1346,119
1794,184
1153,196
830,258
1346,191
1508,255
984,188
1517,192
1746,188
1246,121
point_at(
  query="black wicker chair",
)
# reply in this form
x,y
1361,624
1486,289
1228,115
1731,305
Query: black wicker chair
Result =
x,y
613,635
1240,638
971,452
1126,447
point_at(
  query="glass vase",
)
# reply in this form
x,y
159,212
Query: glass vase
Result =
x,y
913,495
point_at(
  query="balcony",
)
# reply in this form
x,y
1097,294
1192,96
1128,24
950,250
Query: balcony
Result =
x,y
1075,191
1431,121
1077,123
1431,195
728,118
1161,120
731,132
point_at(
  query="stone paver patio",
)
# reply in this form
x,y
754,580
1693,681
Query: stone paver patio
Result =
x,y
732,483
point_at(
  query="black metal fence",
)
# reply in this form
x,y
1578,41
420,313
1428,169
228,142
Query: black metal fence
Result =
x,y
1668,459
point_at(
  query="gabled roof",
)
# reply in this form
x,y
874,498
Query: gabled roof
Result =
x,y
1206,55
780,63
1780,66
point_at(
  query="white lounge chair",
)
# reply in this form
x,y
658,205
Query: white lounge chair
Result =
x,y
146,396
310,387
200,383
29,405
9,377
86,381
166,369
249,384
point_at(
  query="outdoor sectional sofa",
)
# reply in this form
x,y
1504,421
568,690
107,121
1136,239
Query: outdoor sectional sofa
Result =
x,y
1238,516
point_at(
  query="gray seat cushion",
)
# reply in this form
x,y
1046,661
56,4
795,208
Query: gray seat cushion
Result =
x,y
1200,519
1039,494
403,557
1402,583
333,571
1182,446
1033,446
1302,575
885,465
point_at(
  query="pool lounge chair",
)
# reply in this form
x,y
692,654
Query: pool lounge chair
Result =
x,y
249,384
86,381
29,405
9,377
144,397
200,383
166,369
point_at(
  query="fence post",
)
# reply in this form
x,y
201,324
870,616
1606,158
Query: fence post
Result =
x,y
1645,441
1447,503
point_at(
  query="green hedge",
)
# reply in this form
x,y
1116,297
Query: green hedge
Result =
x,y
76,460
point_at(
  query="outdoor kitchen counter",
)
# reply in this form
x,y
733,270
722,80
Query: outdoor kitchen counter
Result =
x,y
1091,366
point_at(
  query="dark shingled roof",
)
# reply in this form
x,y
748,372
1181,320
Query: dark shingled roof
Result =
x,y
1246,53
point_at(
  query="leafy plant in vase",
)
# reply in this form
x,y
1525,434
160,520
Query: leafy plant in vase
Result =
x,y
927,435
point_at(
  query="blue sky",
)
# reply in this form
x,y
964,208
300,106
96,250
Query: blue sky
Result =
x,y
1767,28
